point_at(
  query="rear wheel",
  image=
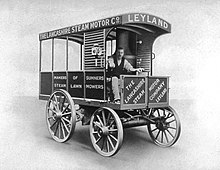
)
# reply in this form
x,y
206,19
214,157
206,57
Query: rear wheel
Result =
x,y
60,116
106,131
166,129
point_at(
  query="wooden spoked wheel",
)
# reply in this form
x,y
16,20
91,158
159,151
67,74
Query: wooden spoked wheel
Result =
x,y
60,116
166,129
106,131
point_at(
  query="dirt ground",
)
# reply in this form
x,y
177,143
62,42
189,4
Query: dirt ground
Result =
x,y
26,143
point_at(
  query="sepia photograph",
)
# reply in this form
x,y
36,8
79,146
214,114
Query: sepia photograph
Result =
x,y
102,85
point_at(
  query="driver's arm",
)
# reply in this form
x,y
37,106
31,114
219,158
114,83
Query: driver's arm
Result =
x,y
130,68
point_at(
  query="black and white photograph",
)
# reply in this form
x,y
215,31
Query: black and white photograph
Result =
x,y
102,85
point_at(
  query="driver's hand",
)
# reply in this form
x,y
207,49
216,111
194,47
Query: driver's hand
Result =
x,y
111,63
140,69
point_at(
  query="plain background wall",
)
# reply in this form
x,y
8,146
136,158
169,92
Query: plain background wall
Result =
x,y
190,54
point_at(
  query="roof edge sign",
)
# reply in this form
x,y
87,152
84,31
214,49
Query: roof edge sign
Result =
x,y
140,18
143,18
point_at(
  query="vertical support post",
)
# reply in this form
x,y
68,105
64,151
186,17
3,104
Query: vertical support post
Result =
x,y
81,57
52,54
151,64
136,47
104,62
67,55
84,85
111,47
52,65
67,62
40,55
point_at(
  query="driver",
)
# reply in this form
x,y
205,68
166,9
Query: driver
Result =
x,y
118,65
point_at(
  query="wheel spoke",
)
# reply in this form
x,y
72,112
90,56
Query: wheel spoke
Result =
x,y
68,121
64,124
57,104
172,127
113,137
67,113
103,117
52,110
55,131
171,121
63,101
107,143
170,133
58,101
169,115
51,117
53,124
157,134
98,139
110,141
61,125
166,136
113,130
162,137
59,131
164,113
103,142
158,112
97,124
154,129
152,112
109,115
100,121
65,108
111,123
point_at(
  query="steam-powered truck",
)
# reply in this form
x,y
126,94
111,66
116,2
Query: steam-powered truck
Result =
x,y
75,81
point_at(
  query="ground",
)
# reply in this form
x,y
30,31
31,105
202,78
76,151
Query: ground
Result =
x,y
26,143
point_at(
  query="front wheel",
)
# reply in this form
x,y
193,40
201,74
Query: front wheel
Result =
x,y
166,129
106,131
60,116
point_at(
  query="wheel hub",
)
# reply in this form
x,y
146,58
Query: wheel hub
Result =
x,y
161,125
104,131
58,115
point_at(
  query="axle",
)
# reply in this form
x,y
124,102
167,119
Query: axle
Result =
x,y
138,120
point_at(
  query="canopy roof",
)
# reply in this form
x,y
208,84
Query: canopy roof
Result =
x,y
136,22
